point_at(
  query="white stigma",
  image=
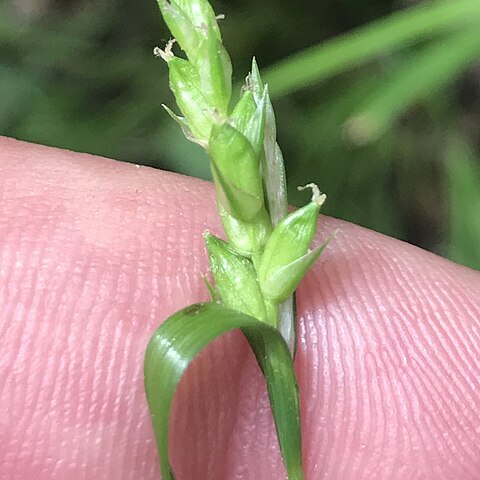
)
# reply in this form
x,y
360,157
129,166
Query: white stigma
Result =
x,y
317,196
166,54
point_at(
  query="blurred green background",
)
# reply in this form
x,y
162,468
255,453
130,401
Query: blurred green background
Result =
x,y
377,101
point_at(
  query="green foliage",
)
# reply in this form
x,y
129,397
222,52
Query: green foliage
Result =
x,y
179,340
463,182
422,74
378,38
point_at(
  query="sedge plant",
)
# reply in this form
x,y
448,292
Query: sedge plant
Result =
x,y
267,250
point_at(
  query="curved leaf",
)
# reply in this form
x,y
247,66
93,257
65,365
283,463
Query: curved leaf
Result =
x,y
182,336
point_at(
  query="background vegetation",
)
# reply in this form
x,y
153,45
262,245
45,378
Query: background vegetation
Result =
x,y
378,101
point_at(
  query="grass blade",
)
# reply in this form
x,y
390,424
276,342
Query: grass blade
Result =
x,y
463,180
423,74
352,49
182,336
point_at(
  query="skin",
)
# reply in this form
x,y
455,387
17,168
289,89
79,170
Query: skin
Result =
x,y
94,254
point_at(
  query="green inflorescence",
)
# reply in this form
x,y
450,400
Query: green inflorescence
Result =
x,y
240,141
267,252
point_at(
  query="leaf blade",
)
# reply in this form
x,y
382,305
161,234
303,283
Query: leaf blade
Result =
x,y
354,48
181,337
422,75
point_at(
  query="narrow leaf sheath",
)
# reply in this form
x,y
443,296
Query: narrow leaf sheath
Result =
x,y
181,337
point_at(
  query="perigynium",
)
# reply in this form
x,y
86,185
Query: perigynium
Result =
x,y
267,252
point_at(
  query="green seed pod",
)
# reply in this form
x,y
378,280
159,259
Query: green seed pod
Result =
x,y
195,28
215,71
238,203
181,25
283,281
235,279
201,14
190,21
287,258
249,119
244,111
185,85
236,171
248,238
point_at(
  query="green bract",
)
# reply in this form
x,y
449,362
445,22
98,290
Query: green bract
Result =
x,y
191,23
287,258
202,84
267,253
237,169
215,70
185,85
244,110
235,279
181,25
272,166
249,119
248,238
